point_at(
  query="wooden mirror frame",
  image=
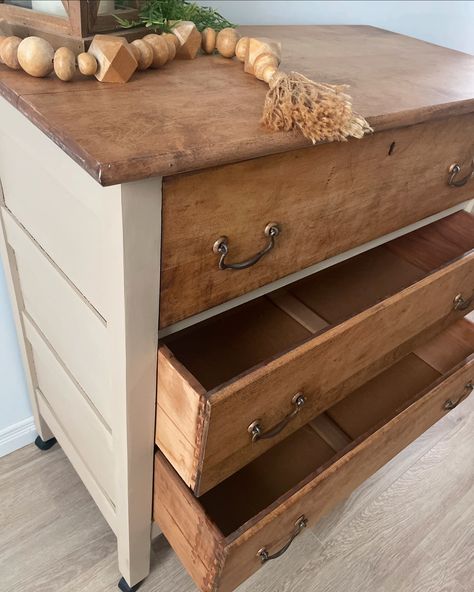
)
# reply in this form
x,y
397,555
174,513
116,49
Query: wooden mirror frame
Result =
x,y
75,31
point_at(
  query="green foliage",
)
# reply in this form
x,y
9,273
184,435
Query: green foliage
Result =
x,y
158,14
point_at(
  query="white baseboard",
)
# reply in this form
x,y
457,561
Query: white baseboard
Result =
x,y
17,435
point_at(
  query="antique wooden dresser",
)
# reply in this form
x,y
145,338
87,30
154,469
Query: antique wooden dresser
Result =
x,y
228,330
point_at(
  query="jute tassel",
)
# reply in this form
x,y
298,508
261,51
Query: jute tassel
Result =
x,y
323,112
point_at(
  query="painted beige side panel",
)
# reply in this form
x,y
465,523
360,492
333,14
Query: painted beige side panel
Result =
x,y
56,201
78,419
103,502
13,283
74,329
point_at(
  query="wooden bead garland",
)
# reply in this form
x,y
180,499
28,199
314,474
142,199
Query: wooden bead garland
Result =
x,y
322,112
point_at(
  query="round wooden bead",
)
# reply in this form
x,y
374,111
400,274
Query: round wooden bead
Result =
x,y
263,61
64,64
268,73
209,37
35,56
144,51
241,48
87,64
160,49
171,47
9,52
226,42
171,37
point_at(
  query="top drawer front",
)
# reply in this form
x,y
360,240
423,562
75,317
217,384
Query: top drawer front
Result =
x,y
326,200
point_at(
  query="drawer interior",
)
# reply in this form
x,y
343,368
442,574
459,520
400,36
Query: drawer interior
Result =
x,y
228,345
315,446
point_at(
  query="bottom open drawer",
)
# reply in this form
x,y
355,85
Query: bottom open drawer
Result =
x,y
230,532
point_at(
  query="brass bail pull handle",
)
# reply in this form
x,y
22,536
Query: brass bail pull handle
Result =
x,y
455,170
255,428
221,247
468,388
461,303
300,525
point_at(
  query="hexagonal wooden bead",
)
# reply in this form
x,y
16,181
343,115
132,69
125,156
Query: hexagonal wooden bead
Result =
x,y
115,60
189,38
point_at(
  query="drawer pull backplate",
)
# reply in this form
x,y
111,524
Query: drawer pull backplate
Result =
x,y
467,391
255,428
460,303
221,247
454,171
300,524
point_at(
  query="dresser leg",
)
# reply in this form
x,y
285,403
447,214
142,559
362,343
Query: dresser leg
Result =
x,y
124,587
45,444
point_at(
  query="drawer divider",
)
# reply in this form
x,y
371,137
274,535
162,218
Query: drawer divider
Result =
x,y
330,432
298,311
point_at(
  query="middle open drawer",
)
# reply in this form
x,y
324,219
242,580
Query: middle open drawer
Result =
x,y
232,387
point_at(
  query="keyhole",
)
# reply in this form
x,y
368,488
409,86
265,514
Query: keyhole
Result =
x,y
391,149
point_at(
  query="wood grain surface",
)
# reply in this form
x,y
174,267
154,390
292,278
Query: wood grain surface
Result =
x,y
167,121
235,557
325,200
325,368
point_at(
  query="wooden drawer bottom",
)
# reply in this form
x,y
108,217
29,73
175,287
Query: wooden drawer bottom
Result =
x,y
228,534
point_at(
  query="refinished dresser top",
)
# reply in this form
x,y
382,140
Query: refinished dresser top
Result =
x,y
195,114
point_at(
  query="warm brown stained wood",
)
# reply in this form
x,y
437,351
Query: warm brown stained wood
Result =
x,y
447,239
155,126
330,432
183,522
383,395
321,494
193,529
325,368
326,200
180,415
457,343
321,365
246,364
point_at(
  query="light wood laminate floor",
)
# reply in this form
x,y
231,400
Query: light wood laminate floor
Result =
x,y
410,528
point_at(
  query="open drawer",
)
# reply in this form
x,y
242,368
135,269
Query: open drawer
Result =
x,y
232,387
231,531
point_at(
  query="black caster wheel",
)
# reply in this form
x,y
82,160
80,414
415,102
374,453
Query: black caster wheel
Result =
x,y
124,587
45,445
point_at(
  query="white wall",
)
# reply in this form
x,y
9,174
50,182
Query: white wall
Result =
x,y
445,23
16,424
